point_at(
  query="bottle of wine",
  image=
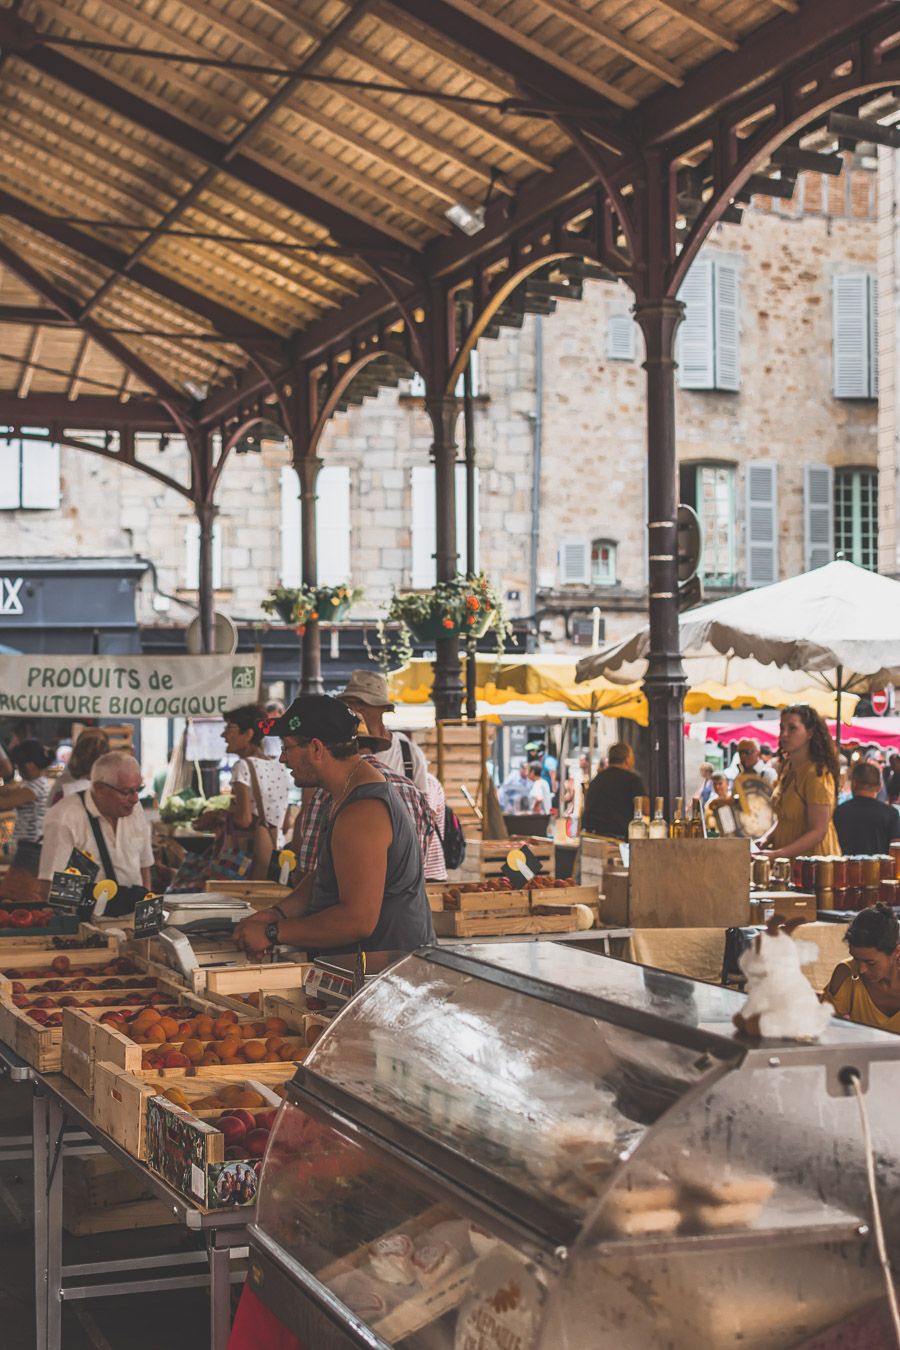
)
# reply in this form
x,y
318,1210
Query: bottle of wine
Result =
x,y
658,827
679,826
637,826
695,828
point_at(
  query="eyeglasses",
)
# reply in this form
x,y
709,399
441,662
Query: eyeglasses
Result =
x,y
125,792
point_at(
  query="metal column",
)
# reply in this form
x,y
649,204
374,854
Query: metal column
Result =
x,y
443,413
206,514
665,683
311,648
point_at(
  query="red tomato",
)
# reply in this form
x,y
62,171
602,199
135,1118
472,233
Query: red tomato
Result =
x,y
4,918
20,918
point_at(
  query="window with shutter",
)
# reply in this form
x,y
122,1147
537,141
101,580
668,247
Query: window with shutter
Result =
x,y
620,338
873,336
192,555
10,476
603,562
290,571
29,475
709,355
727,334
333,524
850,336
762,524
856,516
696,366
424,536
710,490
574,562
818,511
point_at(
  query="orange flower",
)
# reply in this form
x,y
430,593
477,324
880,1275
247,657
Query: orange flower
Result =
x,y
314,614
472,602
448,622
471,621
301,629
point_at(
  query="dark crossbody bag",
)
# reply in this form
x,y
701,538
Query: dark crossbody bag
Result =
x,y
126,897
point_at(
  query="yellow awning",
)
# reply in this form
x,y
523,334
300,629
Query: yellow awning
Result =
x,y
545,678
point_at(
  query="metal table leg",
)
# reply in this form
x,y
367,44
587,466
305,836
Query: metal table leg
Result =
x,y
219,1294
39,1111
56,1124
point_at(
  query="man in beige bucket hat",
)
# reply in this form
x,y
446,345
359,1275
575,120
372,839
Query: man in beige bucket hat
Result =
x,y
367,695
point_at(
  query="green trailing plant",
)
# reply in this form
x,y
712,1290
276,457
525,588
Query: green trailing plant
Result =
x,y
467,607
301,605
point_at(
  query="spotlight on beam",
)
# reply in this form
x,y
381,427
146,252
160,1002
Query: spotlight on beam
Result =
x,y
469,221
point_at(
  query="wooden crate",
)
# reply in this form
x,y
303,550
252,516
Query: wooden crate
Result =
x,y
35,953
101,1196
250,979
121,1097
682,883
457,754
485,857
259,894
496,923
457,898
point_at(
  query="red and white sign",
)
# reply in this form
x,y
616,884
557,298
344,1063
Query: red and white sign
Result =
x,y
881,701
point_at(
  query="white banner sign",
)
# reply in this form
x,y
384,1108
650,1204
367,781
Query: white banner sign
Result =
x,y
127,686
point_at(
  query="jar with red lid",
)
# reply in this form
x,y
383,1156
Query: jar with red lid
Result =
x,y
854,870
840,873
808,873
797,874
840,898
887,867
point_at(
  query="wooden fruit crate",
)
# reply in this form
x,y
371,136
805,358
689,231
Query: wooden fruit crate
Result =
x,y
259,894
121,1097
101,1196
37,952
497,923
250,979
485,857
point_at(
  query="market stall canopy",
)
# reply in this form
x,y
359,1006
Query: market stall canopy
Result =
x,y
835,627
534,680
883,731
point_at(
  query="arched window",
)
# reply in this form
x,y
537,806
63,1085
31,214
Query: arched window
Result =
x,y
603,562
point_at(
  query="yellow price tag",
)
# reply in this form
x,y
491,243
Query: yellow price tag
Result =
x,y
288,857
105,890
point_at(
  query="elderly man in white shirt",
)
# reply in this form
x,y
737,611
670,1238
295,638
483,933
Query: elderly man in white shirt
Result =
x,y
110,806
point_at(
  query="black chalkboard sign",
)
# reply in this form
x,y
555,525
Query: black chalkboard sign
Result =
x,y
83,863
72,895
148,916
518,879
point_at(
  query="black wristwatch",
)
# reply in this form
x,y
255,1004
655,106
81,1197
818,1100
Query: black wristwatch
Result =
x,y
272,933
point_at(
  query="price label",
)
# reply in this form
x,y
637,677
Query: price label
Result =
x,y
521,867
82,862
70,895
148,916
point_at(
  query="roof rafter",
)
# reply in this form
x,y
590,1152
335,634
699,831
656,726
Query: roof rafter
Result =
x,y
93,412
143,275
77,367
639,53
28,363
526,60
343,227
701,22
173,399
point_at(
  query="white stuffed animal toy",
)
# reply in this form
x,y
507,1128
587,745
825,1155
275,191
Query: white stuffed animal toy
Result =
x,y
780,1000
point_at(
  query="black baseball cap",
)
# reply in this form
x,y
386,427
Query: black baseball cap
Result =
x,y
319,717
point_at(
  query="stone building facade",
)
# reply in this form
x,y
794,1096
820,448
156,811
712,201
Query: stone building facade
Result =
x,y
768,452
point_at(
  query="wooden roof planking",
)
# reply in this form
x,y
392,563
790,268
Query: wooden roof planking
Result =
x,y
188,210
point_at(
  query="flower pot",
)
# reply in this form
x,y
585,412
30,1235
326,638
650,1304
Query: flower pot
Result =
x,y
481,625
285,610
330,613
431,629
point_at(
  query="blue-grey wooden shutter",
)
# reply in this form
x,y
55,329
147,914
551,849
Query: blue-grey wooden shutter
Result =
x,y
850,335
696,362
818,515
727,343
762,523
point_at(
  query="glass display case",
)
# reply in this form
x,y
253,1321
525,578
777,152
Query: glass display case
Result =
x,y
523,1146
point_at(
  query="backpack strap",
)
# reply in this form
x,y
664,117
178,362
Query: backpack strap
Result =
x,y
97,832
406,752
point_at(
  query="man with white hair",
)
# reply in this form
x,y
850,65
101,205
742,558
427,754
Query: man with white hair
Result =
x,y
105,821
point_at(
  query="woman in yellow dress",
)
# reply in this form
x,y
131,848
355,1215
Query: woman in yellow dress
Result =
x,y
866,988
805,794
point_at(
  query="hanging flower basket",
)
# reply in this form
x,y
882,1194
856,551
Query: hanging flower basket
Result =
x,y
301,605
465,607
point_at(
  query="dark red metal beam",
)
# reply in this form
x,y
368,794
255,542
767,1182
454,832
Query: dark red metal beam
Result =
x,y
142,274
89,412
343,227
167,394
773,48
48,318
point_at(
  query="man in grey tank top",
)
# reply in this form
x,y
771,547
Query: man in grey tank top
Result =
x,y
368,890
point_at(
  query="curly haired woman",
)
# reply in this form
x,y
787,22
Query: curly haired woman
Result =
x,y
805,794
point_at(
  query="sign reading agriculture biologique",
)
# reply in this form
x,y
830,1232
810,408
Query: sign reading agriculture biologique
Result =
x,y
127,686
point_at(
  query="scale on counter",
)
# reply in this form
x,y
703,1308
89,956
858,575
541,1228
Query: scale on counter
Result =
x,y
197,914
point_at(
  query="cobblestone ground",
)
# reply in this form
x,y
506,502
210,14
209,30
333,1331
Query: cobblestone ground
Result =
x,y
160,1321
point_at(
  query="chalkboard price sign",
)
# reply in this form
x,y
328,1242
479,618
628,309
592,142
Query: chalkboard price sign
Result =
x,y
83,863
70,895
148,916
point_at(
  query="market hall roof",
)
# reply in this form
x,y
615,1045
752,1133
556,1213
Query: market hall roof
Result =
x,y
196,191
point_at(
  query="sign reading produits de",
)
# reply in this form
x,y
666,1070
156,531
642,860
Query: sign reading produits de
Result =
x,y
127,686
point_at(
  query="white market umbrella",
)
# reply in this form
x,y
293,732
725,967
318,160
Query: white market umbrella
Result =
x,y
836,628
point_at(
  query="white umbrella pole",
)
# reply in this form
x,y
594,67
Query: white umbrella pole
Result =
x,y
837,725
